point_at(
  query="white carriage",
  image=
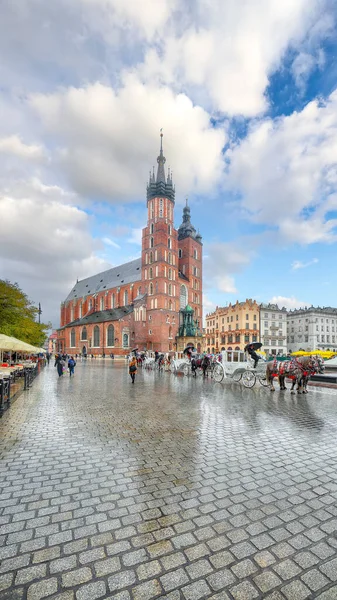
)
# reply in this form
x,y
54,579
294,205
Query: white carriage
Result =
x,y
238,366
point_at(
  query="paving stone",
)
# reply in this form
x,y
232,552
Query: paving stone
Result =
x,y
197,551
42,589
199,569
63,564
146,591
221,579
196,590
306,559
172,561
121,580
174,579
244,569
76,577
264,559
314,580
91,591
244,591
296,590
330,569
149,569
330,594
107,566
6,581
160,548
266,581
30,573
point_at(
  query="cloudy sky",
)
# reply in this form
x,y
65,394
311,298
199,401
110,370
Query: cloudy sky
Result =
x,y
246,93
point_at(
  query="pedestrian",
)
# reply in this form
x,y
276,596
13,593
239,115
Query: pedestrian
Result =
x,y
71,366
48,358
133,368
59,364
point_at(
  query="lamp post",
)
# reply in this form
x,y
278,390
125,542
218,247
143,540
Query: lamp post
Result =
x,y
39,312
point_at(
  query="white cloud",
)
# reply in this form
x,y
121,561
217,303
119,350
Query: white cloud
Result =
x,y
45,245
224,52
110,242
109,139
285,169
298,264
14,145
222,261
289,303
136,236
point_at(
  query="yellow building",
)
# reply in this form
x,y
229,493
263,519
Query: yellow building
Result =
x,y
232,327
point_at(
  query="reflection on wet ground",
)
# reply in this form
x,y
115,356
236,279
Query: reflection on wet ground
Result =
x,y
172,488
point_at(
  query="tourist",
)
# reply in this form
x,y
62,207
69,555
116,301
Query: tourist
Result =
x,y
133,369
71,366
59,363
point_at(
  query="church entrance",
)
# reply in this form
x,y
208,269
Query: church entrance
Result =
x,y
84,350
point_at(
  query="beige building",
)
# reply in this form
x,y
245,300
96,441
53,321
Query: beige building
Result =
x,y
232,327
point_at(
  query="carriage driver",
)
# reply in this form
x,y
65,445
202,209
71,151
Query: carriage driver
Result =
x,y
251,351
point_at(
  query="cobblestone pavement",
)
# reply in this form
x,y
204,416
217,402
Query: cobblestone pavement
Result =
x,y
170,488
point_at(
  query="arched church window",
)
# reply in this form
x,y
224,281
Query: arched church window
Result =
x,y
112,300
111,335
72,338
80,310
169,258
151,242
96,336
90,304
152,227
183,296
102,303
169,230
170,273
151,289
180,253
169,243
195,254
126,298
151,258
125,340
151,273
84,335
161,207
170,289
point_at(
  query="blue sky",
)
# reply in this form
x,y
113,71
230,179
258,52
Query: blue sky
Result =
x,y
246,95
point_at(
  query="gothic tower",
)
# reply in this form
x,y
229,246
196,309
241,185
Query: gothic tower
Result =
x,y
160,260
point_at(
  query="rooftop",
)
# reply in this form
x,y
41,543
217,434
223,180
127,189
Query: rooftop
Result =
x,y
117,276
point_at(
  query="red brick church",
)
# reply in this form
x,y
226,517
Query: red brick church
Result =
x,y
141,303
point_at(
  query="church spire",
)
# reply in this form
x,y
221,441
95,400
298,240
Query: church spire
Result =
x,y
161,160
159,187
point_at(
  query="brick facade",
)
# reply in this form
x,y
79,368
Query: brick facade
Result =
x,y
138,304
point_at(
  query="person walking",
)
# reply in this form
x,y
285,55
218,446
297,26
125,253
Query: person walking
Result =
x,y
133,369
71,366
59,362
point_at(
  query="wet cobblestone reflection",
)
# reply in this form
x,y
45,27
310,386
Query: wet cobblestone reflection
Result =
x,y
172,488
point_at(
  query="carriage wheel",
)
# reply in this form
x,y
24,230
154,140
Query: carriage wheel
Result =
x,y
218,373
248,379
263,380
199,371
236,376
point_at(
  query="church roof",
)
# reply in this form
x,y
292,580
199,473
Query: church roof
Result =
x,y
121,275
160,186
102,316
186,229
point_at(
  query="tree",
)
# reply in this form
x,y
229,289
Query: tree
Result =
x,y
18,315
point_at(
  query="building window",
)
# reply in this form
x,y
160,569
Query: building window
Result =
x,y
254,338
84,334
169,258
169,243
169,230
102,303
111,335
150,331
151,273
152,228
151,289
80,311
161,207
112,300
170,289
96,336
246,338
72,338
125,340
247,325
254,326
195,254
90,304
152,209
126,298
180,253
170,273
151,243
254,317
247,317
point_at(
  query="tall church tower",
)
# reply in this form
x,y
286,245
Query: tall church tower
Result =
x,y
171,264
160,260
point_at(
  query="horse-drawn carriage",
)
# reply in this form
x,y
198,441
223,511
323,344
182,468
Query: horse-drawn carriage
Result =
x,y
238,366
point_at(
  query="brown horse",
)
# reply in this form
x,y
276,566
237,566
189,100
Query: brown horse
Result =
x,y
298,369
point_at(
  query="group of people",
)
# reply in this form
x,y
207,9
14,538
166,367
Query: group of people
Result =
x,y
61,363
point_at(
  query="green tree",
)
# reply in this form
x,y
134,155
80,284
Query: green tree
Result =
x,y
18,315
